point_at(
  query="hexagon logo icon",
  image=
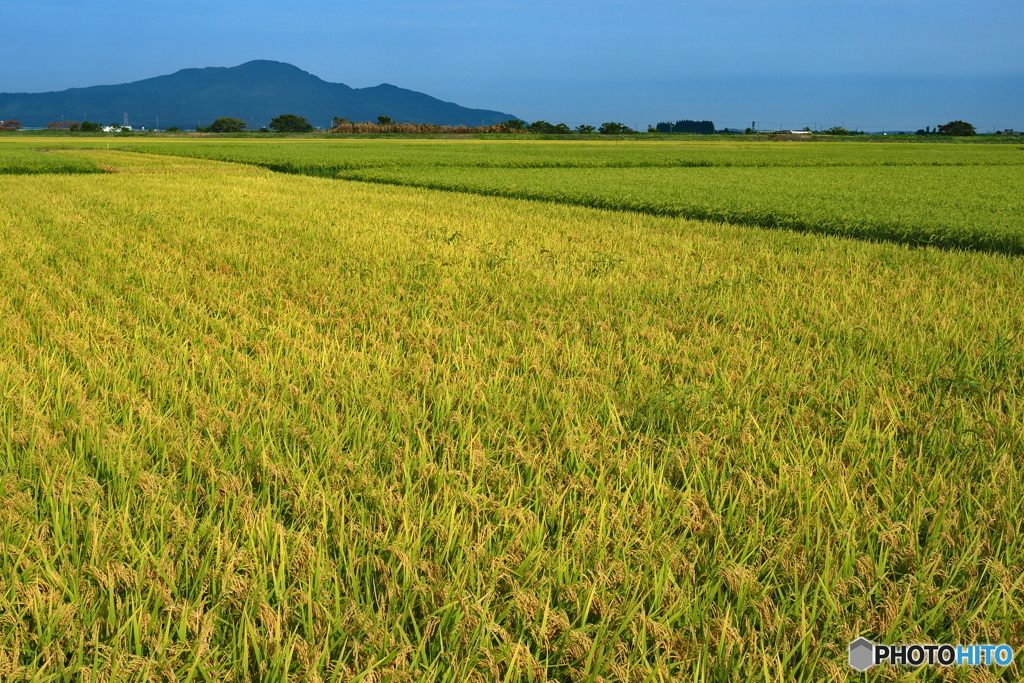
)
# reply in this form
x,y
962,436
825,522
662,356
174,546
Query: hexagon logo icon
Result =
x,y
862,654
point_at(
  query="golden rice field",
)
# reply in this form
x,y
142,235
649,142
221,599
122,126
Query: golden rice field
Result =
x,y
271,427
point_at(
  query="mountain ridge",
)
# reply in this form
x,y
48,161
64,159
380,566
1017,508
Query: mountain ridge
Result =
x,y
255,92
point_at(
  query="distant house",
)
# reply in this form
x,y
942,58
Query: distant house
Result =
x,y
1008,131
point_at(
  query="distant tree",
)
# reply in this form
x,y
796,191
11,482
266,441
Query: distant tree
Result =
x,y
90,127
384,120
562,129
837,130
10,125
698,127
960,128
264,129
584,128
614,128
687,126
542,127
748,131
173,129
514,124
63,125
290,123
337,121
228,124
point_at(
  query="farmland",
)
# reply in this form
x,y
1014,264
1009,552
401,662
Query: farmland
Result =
x,y
27,161
962,196
358,421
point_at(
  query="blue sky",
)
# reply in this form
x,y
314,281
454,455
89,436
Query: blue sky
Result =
x,y
866,63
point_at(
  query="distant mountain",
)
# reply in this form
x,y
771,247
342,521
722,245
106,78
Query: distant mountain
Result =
x,y
256,92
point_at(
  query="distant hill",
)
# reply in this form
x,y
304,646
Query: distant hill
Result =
x,y
256,92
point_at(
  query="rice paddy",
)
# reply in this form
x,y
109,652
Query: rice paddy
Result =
x,y
263,426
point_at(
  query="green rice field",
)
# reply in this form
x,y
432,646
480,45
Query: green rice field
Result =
x,y
463,410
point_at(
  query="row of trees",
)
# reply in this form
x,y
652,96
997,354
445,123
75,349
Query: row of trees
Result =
x,y
285,123
545,128
291,123
687,126
959,128
954,128
384,124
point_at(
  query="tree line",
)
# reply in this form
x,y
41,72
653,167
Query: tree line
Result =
x,y
291,123
687,126
953,128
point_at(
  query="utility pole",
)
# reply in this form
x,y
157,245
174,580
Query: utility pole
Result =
x,y
126,119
